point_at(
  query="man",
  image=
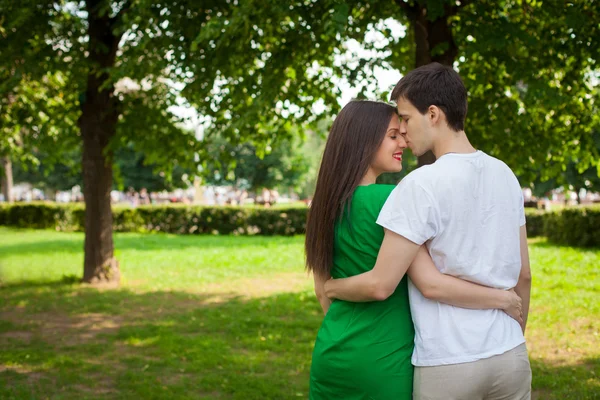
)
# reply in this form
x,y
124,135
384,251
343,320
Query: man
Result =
x,y
467,208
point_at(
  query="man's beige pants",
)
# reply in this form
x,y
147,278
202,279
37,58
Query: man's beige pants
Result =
x,y
505,376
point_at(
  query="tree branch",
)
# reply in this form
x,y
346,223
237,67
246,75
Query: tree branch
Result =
x,y
453,9
411,11
127,6
464,3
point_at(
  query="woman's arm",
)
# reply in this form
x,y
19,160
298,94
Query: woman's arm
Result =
x,y
454,291
394,258
320,292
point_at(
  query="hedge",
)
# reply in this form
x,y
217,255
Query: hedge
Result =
x,y
178,219
574,226
578,226
62,217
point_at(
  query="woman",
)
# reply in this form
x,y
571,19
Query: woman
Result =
x,y
363,350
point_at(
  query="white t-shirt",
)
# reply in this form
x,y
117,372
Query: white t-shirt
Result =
x,y
468,209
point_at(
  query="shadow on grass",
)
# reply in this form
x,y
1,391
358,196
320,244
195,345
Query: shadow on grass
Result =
x,y
65,281
578,381
61,340
142,242
69,341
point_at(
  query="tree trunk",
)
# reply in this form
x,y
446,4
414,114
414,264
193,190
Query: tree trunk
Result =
x,y
7,179
434,42
98,122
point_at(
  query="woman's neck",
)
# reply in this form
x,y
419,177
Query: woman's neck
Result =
x,y
369,178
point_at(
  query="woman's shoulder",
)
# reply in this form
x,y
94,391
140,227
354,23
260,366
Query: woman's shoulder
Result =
x,y
375,190
373,195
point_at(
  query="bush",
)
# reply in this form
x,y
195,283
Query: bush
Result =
x,y
63,217
572,226
577,226
178,219
535,222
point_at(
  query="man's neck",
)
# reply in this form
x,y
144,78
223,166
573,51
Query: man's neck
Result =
x,y
453,142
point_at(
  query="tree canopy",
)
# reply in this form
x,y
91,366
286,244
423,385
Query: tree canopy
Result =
x,y
528,65
105,75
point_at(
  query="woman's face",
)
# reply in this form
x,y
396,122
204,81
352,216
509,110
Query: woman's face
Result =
x,y
389,155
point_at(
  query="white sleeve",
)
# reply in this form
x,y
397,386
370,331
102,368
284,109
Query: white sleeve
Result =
x,y
520,198
410,212
521,209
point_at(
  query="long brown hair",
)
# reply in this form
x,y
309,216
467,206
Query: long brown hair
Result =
x,y
355,136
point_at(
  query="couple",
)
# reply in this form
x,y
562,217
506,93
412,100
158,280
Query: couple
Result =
x,y
456,228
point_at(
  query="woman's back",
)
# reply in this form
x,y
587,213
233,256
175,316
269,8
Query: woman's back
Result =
x,y
363,350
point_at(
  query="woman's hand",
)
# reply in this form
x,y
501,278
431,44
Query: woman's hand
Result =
x,y
514,306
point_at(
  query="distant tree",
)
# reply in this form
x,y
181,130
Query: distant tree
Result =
x,y
283,166
33,115
131,171
573,177
50,176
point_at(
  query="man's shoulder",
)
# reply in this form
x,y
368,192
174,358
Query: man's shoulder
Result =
x,y
424,176
497,162
423,172
501,166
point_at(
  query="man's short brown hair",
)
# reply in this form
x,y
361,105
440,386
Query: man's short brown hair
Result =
x,y
435,85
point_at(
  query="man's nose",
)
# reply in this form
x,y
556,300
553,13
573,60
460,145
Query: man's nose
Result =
x,y
403,127
402,142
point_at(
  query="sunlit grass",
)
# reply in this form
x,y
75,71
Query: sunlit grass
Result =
x,y
209,317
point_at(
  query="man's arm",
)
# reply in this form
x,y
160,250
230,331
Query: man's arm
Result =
x,y
457,292
394,258
320,292
523,287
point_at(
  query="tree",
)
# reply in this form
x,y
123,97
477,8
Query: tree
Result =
x,y
284,166
134,171
94,45
50,176
526,64
313,152
34,113
131,171
7,178
573,178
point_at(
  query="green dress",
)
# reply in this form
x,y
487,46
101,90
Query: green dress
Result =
x,y
363,350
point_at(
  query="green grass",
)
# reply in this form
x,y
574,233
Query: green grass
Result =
x,y
227,318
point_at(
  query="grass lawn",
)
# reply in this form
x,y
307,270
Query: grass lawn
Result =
x,y
209,317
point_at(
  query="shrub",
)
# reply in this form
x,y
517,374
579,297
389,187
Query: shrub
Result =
x,y
64,217
535,222
177,219
577,226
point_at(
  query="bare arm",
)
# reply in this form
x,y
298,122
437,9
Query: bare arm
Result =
x,y
320,292
395,255
457,292
523,287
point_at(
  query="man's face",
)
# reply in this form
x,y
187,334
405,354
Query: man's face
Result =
x,y
415,128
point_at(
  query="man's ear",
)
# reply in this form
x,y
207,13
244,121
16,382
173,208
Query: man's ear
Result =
x,y
434,115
